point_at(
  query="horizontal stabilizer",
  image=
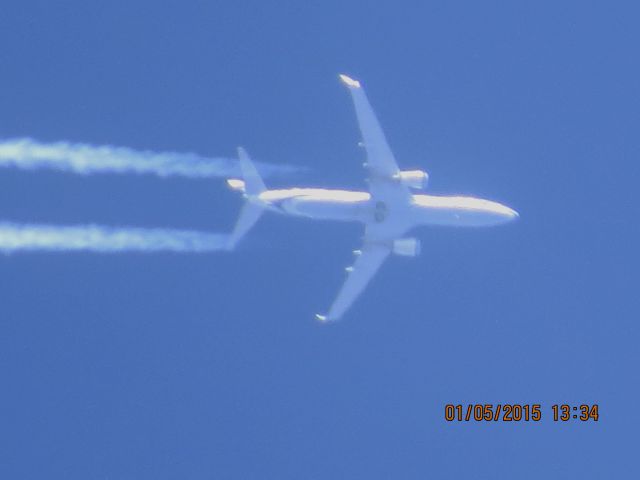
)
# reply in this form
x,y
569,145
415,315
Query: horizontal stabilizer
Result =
x,y
249,215
253,184
236,184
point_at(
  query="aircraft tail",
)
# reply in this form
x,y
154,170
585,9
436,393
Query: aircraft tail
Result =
x,y
252,186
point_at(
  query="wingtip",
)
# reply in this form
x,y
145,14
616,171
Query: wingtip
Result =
x,y
348,81
326,319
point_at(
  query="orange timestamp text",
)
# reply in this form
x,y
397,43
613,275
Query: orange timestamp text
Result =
x,y
515,412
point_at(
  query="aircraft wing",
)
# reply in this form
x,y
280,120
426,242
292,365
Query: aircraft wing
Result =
x,y
385,190
381,164
367,264
378,243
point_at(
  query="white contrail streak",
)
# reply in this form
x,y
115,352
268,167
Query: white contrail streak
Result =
x,y
15,237
28,154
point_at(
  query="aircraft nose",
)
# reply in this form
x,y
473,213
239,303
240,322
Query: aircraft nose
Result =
x,y
512,214
504,213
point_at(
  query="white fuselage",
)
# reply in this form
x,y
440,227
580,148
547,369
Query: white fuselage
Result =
x,y
347,205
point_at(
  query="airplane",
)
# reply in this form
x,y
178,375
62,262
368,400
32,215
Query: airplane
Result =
x,y
388,211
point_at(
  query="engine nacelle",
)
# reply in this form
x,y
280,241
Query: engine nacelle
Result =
x,y
407,247
416,179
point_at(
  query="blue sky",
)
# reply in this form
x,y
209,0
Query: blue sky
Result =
x,y
211,366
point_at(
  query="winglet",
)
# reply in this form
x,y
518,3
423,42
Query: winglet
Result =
x,y
349,82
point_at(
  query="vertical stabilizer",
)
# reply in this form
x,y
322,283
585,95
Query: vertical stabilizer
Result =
x,y
253,208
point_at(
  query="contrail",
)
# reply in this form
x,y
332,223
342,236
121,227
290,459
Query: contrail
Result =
x,y
15,237
84,159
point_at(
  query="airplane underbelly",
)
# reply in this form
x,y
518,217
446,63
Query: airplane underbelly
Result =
x,y
459,217
324,209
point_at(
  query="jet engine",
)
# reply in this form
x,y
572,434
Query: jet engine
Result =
x,y
416,179
407,247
